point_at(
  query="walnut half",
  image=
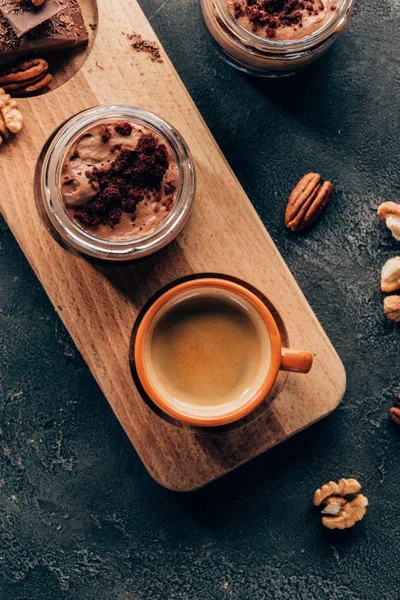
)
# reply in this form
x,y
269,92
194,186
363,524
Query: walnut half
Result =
x,y
11,118
340,512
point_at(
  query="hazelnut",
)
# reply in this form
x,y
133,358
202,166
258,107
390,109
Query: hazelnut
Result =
x,y
390,279
389,212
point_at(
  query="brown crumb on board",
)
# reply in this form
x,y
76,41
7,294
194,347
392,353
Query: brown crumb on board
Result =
x,y
141,45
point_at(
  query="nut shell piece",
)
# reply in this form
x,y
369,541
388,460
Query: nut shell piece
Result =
x,y
333,505
350,513
390,278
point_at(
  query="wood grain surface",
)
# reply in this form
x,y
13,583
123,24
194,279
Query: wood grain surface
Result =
x,y
99,304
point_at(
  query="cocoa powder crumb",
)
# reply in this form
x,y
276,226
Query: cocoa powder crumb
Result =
x,y
141,45
168,204
238,10
105,133
123,128
169,188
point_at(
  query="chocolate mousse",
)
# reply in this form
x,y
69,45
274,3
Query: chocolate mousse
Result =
x,y
119,181
283,20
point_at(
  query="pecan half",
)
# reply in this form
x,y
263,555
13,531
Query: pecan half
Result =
x,y
389,212
34,86
11,87
391,308
307,202
24,71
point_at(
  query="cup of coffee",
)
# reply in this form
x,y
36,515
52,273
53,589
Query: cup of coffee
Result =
x,y
208,351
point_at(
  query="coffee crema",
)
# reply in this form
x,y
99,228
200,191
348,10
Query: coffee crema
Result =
x,y
207,350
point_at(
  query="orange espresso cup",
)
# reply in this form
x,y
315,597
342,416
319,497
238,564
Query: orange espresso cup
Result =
x,y
208,351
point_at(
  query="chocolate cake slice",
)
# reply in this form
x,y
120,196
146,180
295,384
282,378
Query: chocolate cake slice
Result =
x,y
64,30
25,16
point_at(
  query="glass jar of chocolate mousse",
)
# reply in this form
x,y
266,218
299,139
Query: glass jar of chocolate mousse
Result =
x,y
275,38
117,183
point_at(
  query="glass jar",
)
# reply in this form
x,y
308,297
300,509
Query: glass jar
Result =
x,y
88,243
264,57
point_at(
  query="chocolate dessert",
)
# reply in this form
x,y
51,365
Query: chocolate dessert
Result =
x,y
275,38
119,180
283,20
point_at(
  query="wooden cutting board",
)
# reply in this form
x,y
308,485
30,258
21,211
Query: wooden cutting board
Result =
x,y
99,304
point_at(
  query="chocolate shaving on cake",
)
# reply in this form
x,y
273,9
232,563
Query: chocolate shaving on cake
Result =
x,y
64,30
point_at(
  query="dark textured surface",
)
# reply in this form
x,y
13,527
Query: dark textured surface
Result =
x,y
80,519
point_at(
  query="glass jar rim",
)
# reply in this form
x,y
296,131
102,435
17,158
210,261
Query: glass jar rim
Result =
x,y
272,45
98,247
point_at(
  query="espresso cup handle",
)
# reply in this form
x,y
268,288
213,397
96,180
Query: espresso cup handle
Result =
x,y
297,361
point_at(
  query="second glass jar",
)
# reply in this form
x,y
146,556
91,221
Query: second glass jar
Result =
x,y
255,55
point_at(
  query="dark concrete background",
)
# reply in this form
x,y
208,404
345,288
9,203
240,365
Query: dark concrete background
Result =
x,y
80,519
